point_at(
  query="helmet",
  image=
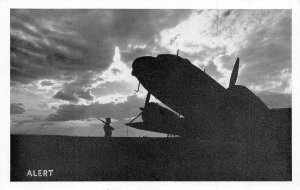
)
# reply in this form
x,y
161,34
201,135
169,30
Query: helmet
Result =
x,y
108,120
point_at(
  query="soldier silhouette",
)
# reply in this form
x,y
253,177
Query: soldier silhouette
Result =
x,y
107,128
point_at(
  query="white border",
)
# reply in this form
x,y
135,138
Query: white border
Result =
x,y
5,6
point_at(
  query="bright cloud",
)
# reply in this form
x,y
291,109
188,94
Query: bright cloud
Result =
x,y
117,71
220,36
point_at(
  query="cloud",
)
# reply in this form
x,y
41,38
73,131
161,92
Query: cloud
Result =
x,y
50,43
131,53
261,38
117,111
16,108
276,100
264,56
62,95
115,71
110,88
76,49
227,13
267,55
46,83
85,95
29,119
78,88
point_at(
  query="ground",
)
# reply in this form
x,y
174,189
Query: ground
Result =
x,y
145,159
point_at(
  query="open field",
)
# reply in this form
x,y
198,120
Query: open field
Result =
x,y
145,159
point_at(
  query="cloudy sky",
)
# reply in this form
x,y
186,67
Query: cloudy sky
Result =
x,y
69,66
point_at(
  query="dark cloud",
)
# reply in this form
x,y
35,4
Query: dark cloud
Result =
x,y
85,95
16,108
118,111
77,45
48,44
227,13
268,51
46,83
62,95
57,43
72,91
32,120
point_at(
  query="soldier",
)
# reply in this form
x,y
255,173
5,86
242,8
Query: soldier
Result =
x,y
107,128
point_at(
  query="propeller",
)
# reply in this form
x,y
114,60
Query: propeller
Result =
x,y
234,74
142,108
147,99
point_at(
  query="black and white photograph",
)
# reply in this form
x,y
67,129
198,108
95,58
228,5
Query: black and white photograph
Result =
x,y
151,94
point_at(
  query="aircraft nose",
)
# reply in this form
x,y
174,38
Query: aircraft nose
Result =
x,y
141,65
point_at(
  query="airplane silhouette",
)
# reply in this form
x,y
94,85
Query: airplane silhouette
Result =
x,y
209,110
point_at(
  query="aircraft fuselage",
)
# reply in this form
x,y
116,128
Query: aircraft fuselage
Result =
x,y
209,110
176,82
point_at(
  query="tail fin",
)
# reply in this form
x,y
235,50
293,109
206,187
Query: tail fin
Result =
x,y
234,74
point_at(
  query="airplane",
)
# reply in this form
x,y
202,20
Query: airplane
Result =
x,y
209,110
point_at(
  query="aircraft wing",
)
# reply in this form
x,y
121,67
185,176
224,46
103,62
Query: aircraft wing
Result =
x,y
137,125
174,130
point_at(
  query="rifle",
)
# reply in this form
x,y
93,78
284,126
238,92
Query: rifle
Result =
x,y
102,120
105,123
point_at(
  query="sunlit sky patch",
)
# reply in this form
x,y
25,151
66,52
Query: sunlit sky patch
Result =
x,y
69,66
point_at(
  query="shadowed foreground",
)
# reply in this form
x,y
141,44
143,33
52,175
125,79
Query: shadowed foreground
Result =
x,y
146,159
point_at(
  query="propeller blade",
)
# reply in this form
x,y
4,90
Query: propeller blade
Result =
x,y
234,74
147,99
135,118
